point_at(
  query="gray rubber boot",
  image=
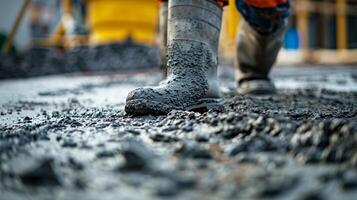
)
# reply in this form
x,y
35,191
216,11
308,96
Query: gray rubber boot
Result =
x,y
193,33
163,37
256,54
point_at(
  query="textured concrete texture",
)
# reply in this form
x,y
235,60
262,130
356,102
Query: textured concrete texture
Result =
x,y
68,137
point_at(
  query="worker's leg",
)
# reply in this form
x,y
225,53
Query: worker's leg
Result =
x,y
163,32
258,43
192,45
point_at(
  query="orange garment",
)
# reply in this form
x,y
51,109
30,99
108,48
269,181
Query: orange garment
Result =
x,y
219,2
222,2
255,3
265,3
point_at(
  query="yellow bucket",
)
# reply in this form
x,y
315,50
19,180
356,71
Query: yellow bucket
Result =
x,y
116,20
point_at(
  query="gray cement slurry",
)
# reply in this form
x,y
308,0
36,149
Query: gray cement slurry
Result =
x,y
68,137
186,85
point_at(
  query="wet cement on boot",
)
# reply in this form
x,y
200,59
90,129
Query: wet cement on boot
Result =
x,y
185,87
69,138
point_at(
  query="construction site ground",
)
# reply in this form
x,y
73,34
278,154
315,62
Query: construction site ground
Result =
x,y
68,137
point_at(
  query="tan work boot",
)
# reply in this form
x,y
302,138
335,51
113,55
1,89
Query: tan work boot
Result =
x,y
163,37
256,54
193,33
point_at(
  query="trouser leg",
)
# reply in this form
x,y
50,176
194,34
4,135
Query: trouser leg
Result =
x,y
256,53
260,37
163,32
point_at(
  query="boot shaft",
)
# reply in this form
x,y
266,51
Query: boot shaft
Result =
x,y
193,34
256,53
196,21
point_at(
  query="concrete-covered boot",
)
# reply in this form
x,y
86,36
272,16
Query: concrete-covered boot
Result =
x,y
163,37
256,54
193,33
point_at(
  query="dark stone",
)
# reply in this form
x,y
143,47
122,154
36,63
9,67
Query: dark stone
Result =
x,y
5,146
133,131
137,156
187,128
170,128
168,189
247,158
194,151
69,144
75,164
201,137
231,132
27,119
349,181
237,148
41,174
106,154
275,186
312,195
80,184
160,137
185,182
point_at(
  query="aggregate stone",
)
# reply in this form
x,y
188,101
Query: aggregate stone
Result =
x,y
246,158
75,164
69,143
40,174
167,189
312,195
349,180
202,137
106,153
137,156
275,186
163,137
185,182
188,150
237,148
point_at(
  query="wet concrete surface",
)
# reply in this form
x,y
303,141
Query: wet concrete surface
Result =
x,y
68,137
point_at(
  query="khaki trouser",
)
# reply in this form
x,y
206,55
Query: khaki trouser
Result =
x,y
256,53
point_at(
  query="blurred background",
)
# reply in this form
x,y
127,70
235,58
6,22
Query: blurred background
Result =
x,y
39,37
320,32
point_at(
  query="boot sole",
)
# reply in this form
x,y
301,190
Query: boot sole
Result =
x,y
258,92
139,107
